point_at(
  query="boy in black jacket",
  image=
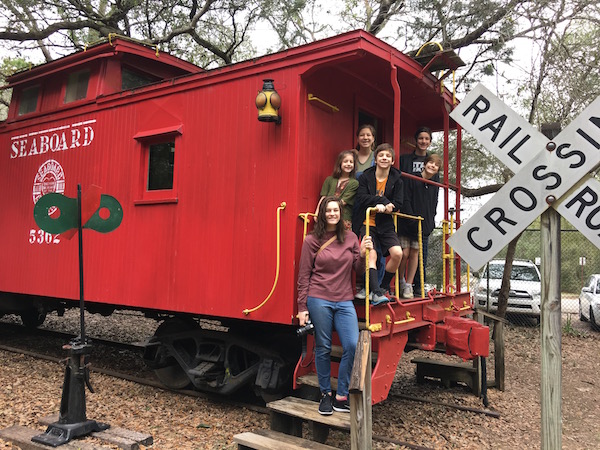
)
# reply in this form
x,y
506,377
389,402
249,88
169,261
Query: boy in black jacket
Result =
x,y
420,199
380,187
413,163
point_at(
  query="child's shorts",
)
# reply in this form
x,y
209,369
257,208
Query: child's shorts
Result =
x,y
384,241
406,242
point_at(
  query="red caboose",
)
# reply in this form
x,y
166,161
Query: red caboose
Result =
x,y
210,194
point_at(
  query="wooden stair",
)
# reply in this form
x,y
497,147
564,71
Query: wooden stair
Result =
x,y
287,417
289,414
274,440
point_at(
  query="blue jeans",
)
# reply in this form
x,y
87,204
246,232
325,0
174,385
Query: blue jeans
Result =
x,y
326,314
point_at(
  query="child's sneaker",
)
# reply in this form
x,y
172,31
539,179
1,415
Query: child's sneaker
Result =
x,y
361,295
341,405
377,298
407,291
325,407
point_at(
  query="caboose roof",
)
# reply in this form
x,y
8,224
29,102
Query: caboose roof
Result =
x,y
357,53
128,49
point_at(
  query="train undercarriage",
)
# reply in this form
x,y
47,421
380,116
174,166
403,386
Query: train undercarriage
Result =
x,y
212,358
224,357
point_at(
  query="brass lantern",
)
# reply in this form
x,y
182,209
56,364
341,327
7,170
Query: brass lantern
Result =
x,y
268,103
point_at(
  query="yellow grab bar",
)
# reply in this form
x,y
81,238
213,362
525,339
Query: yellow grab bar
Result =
x,y
312,98
280,208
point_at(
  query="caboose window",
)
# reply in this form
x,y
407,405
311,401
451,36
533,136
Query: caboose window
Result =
x,y
29,100
130,79
157,176
77,86
161,164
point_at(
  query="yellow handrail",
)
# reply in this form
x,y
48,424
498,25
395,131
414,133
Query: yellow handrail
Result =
x,y
444,254
430,43
280,208
305,218
367,230
419,220
452,306
317,99
409,318
452,252
421,268
374,328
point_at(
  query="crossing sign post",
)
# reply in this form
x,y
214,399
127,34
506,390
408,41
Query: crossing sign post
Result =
x,y
547,173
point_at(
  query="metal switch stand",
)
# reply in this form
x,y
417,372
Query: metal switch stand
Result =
x,y
72,421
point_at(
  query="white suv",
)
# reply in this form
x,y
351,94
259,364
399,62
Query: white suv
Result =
x,y
525,288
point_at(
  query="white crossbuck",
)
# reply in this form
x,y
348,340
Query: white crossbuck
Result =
x,y
547,173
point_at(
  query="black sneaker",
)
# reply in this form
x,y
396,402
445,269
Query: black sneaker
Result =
x,y
341,405
325,407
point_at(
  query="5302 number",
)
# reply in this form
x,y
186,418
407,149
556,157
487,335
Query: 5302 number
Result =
x,y
41,237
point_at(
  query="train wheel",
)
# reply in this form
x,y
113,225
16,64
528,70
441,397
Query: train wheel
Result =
x,y
32,318
173,376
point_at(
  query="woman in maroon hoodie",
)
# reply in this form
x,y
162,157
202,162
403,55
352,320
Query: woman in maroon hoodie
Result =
x,y
325,294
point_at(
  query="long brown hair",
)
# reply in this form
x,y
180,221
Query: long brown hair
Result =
x,y
321,225
337,169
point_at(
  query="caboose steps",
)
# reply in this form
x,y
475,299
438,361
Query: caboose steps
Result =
x,y
307,410
274,440
448,372
287,416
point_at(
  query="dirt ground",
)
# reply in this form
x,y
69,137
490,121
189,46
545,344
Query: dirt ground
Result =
x,y
519,425
30,389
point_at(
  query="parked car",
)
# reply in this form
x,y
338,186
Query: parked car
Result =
x,y
525,288
589,301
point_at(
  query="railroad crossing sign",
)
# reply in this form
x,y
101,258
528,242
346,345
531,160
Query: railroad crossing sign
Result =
x,y
547,173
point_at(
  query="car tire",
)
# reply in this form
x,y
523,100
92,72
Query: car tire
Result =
x,y
581,316
593,322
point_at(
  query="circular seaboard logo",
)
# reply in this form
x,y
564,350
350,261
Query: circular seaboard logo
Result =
x,y
50,177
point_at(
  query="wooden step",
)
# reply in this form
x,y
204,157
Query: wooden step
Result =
x,y
307,410
273,440
311,379
447,372
122,438
21,436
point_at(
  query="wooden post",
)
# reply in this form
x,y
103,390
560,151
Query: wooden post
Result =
x,y
361,419
499,369
551,332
